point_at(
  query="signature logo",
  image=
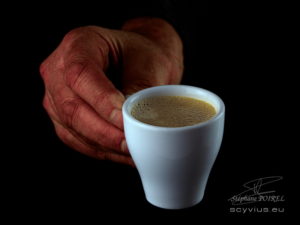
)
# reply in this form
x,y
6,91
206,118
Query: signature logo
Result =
x,y
258,190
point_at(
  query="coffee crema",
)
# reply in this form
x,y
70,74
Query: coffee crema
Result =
x,y
172,111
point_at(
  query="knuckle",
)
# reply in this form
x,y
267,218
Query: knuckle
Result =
x,y
46,103
66,137
173,65
105,155
42,67
74,74
73,34
70,109
167,69
165,62
110,139
74,38
63,135
100,97
43,70
101,155
101,138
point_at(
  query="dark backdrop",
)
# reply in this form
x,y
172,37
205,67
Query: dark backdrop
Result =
x,y
234,58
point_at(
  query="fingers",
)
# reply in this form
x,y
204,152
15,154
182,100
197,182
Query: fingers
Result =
x,y
89,82
78,143
75,114
50,107
110,155
82,103
79,62
98,152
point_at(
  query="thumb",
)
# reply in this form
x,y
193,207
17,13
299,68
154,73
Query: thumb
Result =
x,y
136,85
152,54
144,72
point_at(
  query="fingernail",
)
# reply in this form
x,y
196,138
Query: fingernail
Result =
x,y
118,100
124,147
116,118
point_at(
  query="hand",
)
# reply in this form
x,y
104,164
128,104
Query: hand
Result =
x,y
82,102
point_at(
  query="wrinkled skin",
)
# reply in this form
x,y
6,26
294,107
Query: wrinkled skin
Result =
x,y
83,104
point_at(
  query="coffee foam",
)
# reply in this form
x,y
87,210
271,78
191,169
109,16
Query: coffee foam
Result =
x,y
172,111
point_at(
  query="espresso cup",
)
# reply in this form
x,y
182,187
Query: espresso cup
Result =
x,y
174,163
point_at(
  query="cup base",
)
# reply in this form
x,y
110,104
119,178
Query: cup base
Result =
x,y
173,206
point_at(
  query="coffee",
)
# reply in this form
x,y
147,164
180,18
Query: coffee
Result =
x,y
172,111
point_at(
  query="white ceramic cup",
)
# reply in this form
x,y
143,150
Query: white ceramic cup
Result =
x,y
174,163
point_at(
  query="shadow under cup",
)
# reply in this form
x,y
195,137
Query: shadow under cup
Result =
x,y
174,163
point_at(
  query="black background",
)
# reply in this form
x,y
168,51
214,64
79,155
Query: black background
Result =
x,y
238,59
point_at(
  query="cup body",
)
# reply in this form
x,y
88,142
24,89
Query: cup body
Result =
x,y
174,163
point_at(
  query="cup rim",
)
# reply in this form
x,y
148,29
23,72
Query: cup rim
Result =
x,y
131,98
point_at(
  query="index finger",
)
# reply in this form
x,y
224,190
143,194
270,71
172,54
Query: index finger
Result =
x,y
89,82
